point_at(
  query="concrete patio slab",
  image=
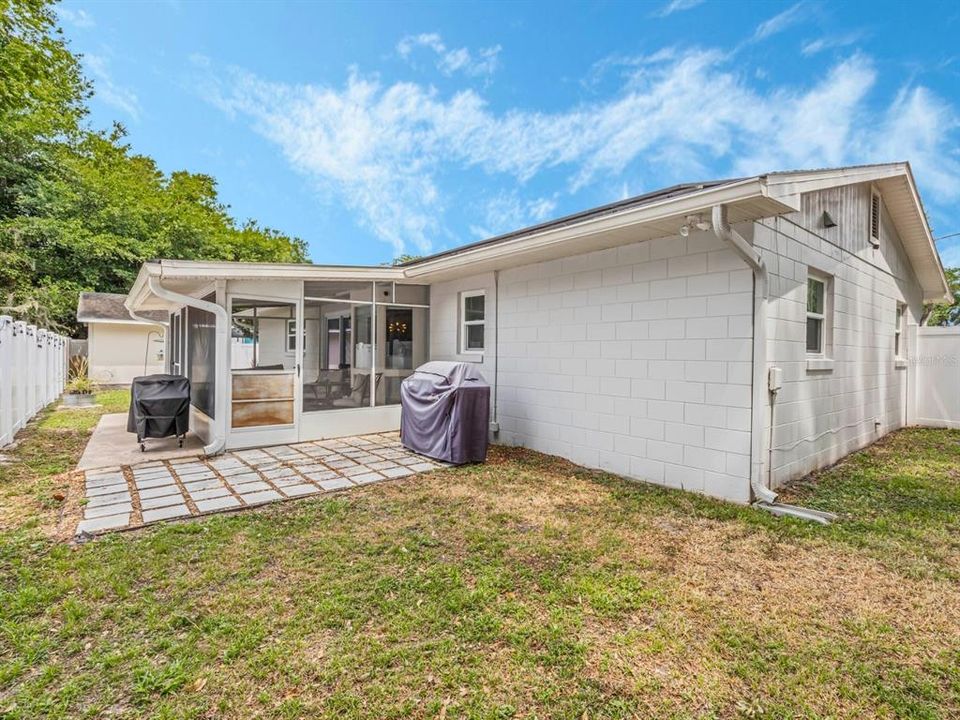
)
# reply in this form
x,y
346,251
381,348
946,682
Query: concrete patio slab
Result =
x,y
112,445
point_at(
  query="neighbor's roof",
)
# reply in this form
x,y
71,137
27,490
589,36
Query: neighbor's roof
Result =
x,y
653,215
109,308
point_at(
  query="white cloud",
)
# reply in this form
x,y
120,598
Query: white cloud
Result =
x,y
381,148
107,90
78,17
508,211
677,6
780,22
450,61
812,47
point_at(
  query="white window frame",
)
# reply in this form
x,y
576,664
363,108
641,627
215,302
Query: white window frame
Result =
x,y
291,335
464,323
826,317
899,335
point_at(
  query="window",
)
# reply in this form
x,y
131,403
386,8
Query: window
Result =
x,y
473,314
818,302
291,335
875,218
898,332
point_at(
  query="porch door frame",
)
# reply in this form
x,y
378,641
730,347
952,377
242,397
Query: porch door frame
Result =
x,y
266,435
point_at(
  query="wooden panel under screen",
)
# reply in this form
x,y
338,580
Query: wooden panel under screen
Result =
x,y
263,386
260,413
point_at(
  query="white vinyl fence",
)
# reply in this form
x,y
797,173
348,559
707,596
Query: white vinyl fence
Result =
x,y
33,371
938,377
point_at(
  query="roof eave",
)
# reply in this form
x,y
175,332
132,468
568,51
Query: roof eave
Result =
x,y
695,202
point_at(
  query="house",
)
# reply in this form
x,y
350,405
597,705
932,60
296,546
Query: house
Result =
x,y
119,346
723,337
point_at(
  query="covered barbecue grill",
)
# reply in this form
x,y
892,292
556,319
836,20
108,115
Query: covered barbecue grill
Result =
x,y
445,412
159,407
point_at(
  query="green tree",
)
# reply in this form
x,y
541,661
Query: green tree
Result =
x,y
944,314
79,209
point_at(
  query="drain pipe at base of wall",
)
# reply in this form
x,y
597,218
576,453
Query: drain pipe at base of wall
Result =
x,y
763,497
219,440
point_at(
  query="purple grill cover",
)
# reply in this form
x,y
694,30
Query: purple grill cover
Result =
x,y
445,412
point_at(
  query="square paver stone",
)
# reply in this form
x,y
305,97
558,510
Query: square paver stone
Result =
x,y
321,476
166,513
335,484
397,472
159,491
110,499
300,490
162,501
196,476
355,470
154,482
261,497
110,522
105,489
220,503
207,484
340,464
234,470
365,478
243,477
281,472
250,487
105,479
209,494
105,510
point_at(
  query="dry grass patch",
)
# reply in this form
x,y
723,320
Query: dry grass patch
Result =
x,y
527,587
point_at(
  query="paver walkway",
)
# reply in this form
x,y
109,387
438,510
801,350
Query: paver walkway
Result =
x,y
133,495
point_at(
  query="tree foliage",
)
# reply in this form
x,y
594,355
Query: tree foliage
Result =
x,y
79,209
944,314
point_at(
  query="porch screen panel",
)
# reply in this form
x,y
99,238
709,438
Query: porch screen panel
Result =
x,y
202,354
337,345
402,347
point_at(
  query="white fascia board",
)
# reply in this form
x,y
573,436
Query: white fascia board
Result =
x,y
699,201
98,321
804,181
189,270
947,296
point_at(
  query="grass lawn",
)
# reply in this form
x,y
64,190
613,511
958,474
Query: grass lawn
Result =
x,y
527,587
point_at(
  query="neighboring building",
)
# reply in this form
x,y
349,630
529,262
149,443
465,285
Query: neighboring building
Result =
x,y
120,347
646,337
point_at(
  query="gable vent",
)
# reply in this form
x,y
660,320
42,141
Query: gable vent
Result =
x,y
875,219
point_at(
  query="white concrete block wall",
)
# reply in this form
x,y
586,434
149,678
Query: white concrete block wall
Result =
x,y
822,415
634,359
445,322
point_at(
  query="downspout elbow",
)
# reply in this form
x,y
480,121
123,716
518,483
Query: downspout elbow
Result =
x,y
721,227
219,440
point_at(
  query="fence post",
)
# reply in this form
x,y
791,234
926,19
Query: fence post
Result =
x,y
6,379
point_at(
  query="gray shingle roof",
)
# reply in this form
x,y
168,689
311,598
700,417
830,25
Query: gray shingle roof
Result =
x,y
100,307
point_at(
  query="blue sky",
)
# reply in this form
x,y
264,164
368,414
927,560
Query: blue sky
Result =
x,y
380,128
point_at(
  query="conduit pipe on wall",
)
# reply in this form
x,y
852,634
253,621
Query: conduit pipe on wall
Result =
x,y
762,495
222,346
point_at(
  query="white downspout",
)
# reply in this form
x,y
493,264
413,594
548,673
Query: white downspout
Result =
x,y
219,440
762,495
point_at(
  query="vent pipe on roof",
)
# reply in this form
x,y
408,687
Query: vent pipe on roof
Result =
x,y
763,496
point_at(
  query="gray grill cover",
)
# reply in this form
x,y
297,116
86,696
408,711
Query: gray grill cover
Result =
x,y
445,412
159,406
